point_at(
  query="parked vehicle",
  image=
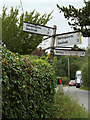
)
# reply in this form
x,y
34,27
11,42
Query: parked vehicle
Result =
x,y
78,79
72,83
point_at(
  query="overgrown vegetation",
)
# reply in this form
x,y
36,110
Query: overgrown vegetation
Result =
x,y
27,87
60,64
85,74
65,107
28,90
65,80
85,88
78,19
12,29
29,83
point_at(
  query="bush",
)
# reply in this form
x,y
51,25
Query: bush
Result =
x,y
27,87
66,108
65,80
85,74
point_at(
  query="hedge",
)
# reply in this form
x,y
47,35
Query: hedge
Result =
x,y
27,87
65,80
85,75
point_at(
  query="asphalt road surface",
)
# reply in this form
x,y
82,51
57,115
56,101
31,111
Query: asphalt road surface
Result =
x,y
82,96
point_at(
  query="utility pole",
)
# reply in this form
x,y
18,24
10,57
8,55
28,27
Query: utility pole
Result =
x,y
68,68
52,43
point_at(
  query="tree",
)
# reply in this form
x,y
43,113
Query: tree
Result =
x,y
85,77
61,65
12,30
78,19
76,63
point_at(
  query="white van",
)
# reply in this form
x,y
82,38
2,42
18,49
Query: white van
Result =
x,y
78,78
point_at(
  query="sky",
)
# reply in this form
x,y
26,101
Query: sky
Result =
x,y
46,6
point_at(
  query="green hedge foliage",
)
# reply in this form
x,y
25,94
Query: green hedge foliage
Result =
x,y
85,75
65,80
27,87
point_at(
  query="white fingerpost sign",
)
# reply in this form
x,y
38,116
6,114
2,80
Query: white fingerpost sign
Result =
x,y
46,43
70,53
37,29
68,39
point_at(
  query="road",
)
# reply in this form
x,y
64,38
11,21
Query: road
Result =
x,y
82,96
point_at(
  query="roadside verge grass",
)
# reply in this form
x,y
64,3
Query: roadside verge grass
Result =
x,y
85,88
65,107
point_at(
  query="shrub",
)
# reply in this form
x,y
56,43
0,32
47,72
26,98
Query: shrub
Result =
x,y
66,108
65,80
27,87
85,74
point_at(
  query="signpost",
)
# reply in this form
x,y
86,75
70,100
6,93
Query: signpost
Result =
x,y
46,44
67,39
70,52
64,39
37,29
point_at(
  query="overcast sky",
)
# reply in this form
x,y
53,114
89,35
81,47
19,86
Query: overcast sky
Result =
x,y
46,6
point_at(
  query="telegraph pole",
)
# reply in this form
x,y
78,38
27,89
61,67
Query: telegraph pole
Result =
x,y
68,68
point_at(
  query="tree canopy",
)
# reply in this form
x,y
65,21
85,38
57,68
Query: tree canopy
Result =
x,y
78,19
12,29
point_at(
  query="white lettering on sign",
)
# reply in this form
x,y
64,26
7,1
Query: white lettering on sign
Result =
x,y
68,39
37,29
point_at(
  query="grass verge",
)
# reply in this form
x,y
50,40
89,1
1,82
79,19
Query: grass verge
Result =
x,y
65,107
85,88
